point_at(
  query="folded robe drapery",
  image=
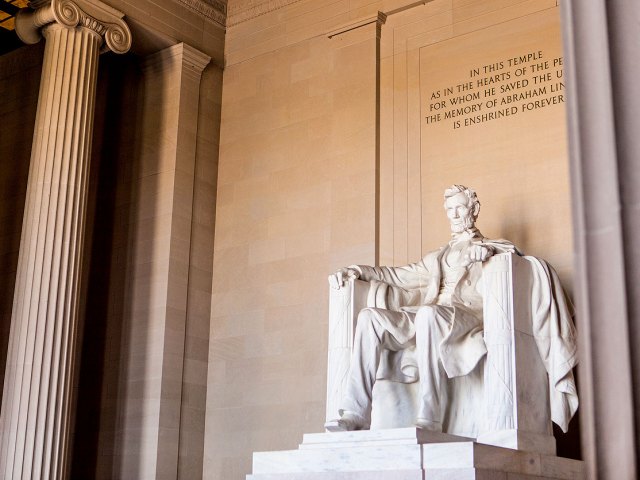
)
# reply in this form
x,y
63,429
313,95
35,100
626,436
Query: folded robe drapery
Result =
x,y
555,337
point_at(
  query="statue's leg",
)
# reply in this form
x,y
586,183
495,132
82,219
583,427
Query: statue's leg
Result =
x,y
371,336
432,324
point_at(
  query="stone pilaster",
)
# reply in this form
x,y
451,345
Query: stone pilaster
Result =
x,y
34,425
600,43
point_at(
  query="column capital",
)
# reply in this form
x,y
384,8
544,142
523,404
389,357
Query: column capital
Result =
x,y
94,15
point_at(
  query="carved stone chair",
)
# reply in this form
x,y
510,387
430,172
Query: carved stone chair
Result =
x,y
510,384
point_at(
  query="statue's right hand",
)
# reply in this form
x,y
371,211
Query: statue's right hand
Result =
x,y
338,279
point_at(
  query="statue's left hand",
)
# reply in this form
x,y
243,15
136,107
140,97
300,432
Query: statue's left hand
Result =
x,y
338,279
479,253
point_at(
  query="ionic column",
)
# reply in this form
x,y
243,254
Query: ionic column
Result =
x,y
35,417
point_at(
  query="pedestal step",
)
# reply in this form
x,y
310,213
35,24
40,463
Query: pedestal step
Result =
x,y
407,454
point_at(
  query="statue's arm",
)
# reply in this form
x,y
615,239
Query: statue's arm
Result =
x,y
407,277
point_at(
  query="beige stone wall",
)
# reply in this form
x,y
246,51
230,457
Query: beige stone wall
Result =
x,y
296,200
305,187
19,83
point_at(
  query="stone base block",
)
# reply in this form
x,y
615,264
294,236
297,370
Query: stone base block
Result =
x,y
519,440
407,454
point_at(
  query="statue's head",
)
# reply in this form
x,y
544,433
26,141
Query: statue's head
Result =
x,y
462,207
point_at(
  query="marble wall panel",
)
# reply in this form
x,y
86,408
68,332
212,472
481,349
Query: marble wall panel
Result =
x,y
196,341
296,199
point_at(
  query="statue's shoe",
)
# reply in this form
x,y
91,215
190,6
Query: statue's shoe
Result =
x,y
428,425
347,422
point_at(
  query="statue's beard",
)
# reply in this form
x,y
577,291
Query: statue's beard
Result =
x,y
465,224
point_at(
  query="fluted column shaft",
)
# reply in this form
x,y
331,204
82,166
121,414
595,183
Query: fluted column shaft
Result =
x,y
34,423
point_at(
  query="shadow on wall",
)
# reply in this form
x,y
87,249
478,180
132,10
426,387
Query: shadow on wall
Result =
x,y
102,361
20,81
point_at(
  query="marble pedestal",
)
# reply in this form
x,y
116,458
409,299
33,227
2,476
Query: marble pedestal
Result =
x,y
407,454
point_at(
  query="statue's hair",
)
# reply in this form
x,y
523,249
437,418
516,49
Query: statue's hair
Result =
x,y
472,198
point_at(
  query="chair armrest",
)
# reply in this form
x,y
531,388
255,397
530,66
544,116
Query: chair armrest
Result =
x,y
516,398
344,306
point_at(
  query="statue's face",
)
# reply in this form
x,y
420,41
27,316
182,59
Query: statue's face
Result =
x,y
459,212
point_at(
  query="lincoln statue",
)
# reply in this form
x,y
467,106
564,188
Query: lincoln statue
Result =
x,y
432,328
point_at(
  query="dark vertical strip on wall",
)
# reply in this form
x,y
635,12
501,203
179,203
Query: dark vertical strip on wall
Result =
x,y
93,444
20,83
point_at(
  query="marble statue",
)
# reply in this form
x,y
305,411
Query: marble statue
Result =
x,y
431,327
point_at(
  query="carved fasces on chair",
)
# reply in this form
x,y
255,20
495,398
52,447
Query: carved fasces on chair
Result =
x,y
516,398
498,336
344,305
